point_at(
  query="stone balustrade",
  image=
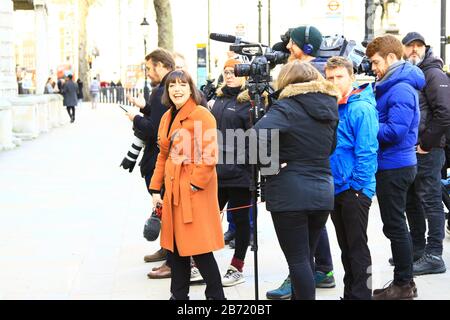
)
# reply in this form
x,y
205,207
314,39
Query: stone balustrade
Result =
x,y
6,133
26,117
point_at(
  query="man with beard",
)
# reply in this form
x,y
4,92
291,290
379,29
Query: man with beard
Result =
x,y
396,93
424,201
159,64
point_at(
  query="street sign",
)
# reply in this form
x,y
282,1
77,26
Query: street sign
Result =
x,y
334,8
201,64
240,30
334,5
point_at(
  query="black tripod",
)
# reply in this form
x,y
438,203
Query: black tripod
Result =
x,y
256,90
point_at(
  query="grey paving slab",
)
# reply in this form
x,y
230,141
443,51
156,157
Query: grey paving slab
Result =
x,y
71,224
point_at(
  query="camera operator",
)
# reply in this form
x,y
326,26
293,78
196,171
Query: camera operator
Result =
x,y
303,44
159,64
301,195
231,111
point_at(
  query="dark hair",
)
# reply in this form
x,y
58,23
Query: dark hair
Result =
x,y
70,76
163,56
181,76
384,45
339,62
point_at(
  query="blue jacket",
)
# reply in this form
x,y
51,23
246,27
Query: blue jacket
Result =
x,y
399,114
354,162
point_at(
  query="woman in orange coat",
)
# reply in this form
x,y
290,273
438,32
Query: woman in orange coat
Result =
x,y
186,166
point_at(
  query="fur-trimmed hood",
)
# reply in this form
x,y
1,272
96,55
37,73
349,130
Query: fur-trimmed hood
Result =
x,y
321,106
243,97
319,86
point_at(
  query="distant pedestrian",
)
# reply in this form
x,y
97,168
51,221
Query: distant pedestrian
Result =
x,y
94,90
80,95
49,87
120,92
70,91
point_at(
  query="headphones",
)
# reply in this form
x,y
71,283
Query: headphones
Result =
x,y
307,47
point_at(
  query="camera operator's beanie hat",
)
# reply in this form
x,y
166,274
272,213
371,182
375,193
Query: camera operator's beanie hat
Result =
x,y
230,63
315,38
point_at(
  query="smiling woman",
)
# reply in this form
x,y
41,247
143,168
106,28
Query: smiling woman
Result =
x,y
190,217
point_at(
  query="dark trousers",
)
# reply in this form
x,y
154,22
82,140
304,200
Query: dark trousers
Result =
x,y
238,197
148,178
71,112
322,256
298,234
231,225
181,274
425,202
350,218
392,188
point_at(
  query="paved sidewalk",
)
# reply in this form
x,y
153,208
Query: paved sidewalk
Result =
x,y
72,220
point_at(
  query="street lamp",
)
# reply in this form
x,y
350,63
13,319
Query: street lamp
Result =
x,y
145,31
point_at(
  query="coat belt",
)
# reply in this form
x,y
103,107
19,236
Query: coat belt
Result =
x,y
182,192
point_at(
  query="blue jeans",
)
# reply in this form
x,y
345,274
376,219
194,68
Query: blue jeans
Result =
x,y
424,202
392,189
298,234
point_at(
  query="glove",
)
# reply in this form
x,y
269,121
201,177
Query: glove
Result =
x,y
127,164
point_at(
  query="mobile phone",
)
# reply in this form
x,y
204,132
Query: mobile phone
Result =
x,y
123,108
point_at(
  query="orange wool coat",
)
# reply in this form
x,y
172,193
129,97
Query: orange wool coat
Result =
x,y
191,218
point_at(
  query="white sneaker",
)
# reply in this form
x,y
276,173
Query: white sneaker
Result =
x,y
195,275
232,277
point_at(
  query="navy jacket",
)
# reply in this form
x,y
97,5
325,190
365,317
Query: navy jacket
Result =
x,y
148,125
434,103
306,117
232,112
398,112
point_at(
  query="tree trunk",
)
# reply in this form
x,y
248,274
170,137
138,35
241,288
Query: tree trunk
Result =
x,y
83,63
164,22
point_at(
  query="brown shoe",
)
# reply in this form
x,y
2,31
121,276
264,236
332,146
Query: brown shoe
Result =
x,y
396,292
159,255
162,273
157,268
412,283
